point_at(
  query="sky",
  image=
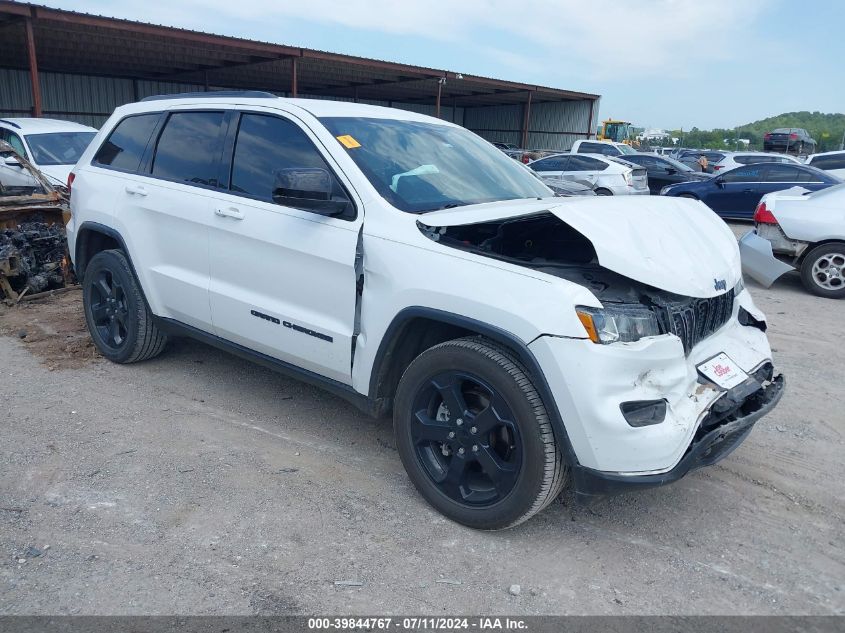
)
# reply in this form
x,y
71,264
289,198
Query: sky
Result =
x,y
658,63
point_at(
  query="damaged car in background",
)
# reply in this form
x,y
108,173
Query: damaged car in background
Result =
x,y
799,229
521,340
33,245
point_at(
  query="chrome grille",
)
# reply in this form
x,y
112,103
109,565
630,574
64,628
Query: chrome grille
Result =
x,y
694,321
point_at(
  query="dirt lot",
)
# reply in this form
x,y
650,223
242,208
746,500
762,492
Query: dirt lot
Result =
x,y
199,483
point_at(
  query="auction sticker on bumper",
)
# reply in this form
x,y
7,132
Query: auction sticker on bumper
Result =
x,y
723,371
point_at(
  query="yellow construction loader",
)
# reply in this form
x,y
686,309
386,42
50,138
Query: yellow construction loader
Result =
x,y
617,131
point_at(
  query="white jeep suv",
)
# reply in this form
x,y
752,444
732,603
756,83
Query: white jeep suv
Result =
x,y
520,340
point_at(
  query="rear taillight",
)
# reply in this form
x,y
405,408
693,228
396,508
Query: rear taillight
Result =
x,y
763,216
793,136
718,167
767,136
525,159
70,178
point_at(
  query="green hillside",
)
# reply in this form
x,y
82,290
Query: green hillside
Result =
x,y
827,129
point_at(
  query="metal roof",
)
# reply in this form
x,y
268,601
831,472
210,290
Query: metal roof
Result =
x,y
81,43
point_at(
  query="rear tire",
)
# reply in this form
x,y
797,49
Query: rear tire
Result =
x,y
474,435
603,192
823,270
119,321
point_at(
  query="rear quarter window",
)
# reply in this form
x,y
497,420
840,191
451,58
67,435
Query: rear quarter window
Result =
x,y
127,142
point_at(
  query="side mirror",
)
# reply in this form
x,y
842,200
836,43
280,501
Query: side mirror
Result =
x,y
671,170
720,182
12,161
308,188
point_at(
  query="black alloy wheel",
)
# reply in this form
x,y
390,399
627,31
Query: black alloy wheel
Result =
x,y
109,312
465,437
119,320
474,435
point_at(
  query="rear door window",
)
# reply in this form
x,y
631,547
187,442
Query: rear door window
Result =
x,y
555,163
752,173
127,142
189,148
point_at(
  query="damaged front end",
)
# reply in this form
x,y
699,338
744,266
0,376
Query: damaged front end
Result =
x,y
33,243
631,309
631,387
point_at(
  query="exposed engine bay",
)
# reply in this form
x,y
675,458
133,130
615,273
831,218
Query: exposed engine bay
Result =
x,y
545,243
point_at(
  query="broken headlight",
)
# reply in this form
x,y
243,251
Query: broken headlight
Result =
x,y
618,324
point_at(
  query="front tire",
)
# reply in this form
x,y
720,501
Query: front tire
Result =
x,y
823,270
474,435
119,321
603,192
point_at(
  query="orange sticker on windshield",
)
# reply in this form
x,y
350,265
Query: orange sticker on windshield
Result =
x,y
348,141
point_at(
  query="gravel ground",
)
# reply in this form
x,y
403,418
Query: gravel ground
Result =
x,y
198,483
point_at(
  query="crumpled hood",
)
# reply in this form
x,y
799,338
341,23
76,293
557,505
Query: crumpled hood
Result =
x,y
674,244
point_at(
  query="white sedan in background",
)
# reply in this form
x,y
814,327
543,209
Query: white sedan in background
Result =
x,y
51,145
803,230
606,175
831,162
738,159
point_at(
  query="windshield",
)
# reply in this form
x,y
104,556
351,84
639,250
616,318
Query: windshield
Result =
x,y
617,132
58,148
419,167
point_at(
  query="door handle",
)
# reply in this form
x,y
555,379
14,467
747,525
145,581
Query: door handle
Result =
x,y
747,191
229,212
138,190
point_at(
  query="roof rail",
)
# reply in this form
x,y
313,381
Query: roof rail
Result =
x,y
12,123
215,94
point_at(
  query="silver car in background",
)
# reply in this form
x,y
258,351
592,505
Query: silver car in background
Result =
x,y
606,175
797,229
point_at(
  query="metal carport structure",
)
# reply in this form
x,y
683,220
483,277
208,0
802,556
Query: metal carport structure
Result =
x,y
79,66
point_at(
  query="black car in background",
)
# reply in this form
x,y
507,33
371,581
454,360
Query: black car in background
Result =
x,y
789,139
664,171
690,158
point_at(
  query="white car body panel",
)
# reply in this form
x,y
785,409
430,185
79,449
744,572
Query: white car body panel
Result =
x,y
187,262
815,217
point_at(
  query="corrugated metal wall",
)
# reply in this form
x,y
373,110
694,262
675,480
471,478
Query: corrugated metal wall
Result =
x,y
90,100
82,98
552,125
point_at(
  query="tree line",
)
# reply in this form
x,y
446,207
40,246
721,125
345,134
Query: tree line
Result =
x,y
826,129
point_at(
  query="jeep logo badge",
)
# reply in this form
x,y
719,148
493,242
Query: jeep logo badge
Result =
x,y
719,284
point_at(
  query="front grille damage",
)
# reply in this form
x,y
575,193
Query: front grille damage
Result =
x,y
695,319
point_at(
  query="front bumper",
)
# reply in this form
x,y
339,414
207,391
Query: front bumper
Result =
x,y
590,382
712,446
758,260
